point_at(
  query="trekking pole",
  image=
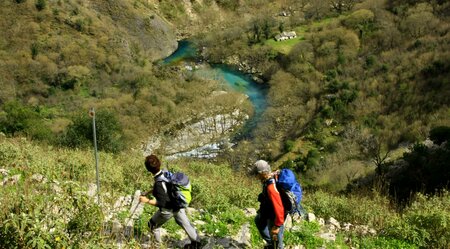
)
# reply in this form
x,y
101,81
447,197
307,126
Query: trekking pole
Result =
x,y
92,115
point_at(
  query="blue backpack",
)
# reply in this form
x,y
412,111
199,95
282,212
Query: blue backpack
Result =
x,y
290,191
180,188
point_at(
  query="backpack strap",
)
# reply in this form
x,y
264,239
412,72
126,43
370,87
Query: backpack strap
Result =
x,y
269,181
163,179
266,183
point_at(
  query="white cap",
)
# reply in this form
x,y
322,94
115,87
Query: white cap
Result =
x,y
262,166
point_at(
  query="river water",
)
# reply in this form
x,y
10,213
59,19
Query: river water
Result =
x,y
235,80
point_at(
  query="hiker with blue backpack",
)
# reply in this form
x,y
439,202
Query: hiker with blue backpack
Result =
x,y
169,200
281,195
271,215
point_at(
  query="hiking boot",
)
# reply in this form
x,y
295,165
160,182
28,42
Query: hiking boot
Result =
x,y
193,245
271,246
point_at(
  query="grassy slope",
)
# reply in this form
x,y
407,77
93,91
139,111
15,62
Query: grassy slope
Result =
x,y
219,191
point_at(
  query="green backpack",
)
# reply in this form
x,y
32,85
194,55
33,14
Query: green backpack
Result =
x,y
180,190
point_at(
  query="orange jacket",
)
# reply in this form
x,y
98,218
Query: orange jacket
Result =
x,y
275,198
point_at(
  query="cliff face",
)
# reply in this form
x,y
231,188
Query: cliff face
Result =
x,y
200,135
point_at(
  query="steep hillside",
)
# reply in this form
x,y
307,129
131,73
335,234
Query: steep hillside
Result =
x,y
361,80
60,58
73,44
48,200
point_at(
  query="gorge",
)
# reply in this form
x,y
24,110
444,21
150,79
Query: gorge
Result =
x,y
205,138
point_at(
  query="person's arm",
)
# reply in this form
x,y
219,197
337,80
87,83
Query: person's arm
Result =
x,y
144,199
278,208
160,194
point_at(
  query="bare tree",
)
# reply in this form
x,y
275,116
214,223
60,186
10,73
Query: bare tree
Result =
x,y
351,175
342,5
317,9
374,148
299,5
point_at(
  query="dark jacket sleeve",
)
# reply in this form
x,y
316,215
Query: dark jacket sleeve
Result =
x,y
161,195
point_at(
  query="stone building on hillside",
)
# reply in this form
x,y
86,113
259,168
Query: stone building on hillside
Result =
x,y
285,36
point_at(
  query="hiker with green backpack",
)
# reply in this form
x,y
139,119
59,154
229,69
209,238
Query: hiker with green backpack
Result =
x,y
172,195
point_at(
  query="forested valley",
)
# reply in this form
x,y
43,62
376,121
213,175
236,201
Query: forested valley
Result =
x,y
357,101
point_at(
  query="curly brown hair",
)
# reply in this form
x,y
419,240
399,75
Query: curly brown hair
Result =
x,y
152,164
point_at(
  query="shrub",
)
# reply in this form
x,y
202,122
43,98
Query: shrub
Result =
x,y
305,235
8,153
40,4
108,130
43,219
224,223
371,210
381,242
228,4
425,223
440,134
23,119
289,145
34,50
426,171
87,220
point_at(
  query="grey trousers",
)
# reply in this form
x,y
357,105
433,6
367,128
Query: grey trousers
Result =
x,y
163,215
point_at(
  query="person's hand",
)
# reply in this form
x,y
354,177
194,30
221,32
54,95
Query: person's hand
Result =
x,y
274,231
144,199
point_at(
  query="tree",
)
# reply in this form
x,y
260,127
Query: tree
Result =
x,y
360,20
302,53
342,5
41,4
440,134
426,170
22,119
256,32
317,9
420,21
266,29
281,27
299,5
109,132
336,46
376,149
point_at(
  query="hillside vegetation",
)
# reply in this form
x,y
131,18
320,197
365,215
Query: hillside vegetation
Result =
x,y
357,106
47,206
60,58
358,83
